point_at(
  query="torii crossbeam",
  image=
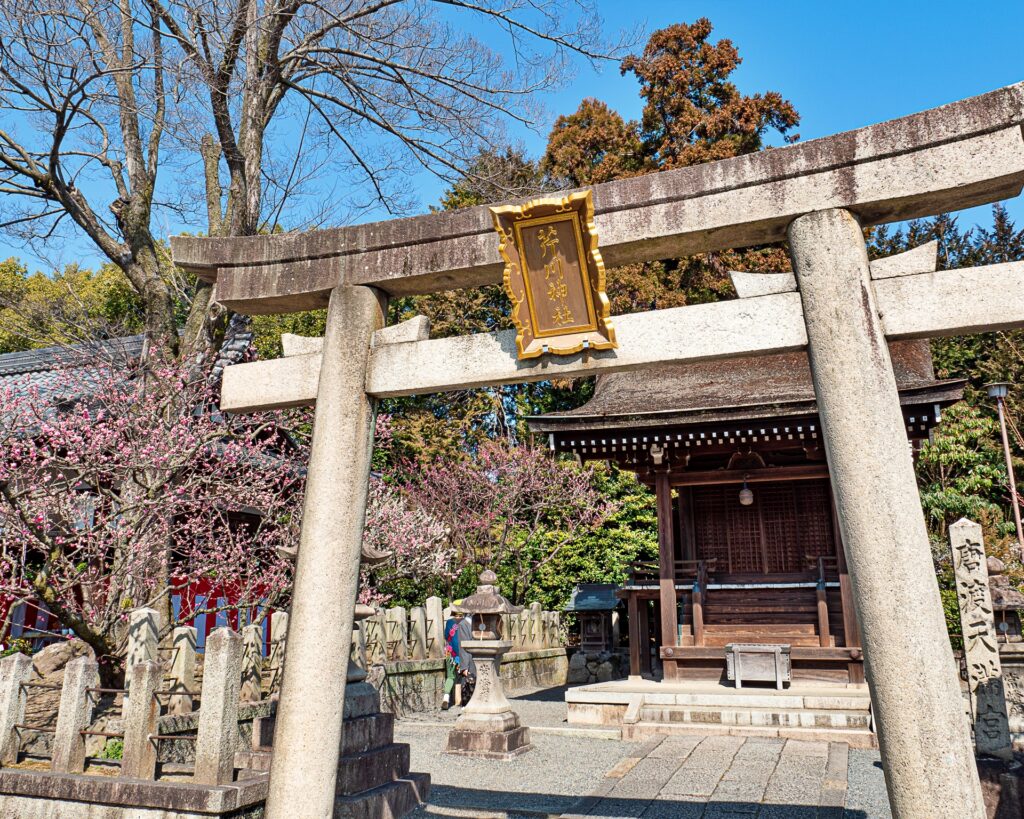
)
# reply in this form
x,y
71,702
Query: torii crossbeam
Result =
x,y
819,195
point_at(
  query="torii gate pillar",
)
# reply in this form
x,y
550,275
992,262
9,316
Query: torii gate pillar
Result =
x,y
925,744
307,738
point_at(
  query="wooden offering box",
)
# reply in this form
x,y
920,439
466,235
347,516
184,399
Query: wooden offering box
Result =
x,y
758,662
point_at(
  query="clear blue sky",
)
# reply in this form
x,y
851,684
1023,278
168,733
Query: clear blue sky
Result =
x,y
843,65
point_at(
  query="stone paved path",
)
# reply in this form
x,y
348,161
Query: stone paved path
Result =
x,y
725,777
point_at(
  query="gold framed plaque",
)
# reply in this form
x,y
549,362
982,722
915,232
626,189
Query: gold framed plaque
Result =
x,y
554,275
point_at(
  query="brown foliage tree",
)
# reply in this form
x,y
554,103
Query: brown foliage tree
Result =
x,y
693,113
592,145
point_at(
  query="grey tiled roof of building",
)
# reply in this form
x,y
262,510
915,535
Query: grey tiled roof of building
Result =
x,y
46,369
594,597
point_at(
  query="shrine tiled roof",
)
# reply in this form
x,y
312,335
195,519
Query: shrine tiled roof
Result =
x,y
733,389
593,597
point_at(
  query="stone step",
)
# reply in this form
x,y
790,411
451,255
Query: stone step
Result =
x,y
362,772
756,717
392,800
841,702
854,700
860,738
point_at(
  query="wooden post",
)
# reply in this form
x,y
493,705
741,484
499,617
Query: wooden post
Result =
x,y
634,635
667,570
698,604
645,639
824,639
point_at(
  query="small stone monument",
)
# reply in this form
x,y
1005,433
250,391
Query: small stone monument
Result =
x,y
488,727
981,649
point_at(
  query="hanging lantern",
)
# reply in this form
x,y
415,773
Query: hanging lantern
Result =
x,y
746,495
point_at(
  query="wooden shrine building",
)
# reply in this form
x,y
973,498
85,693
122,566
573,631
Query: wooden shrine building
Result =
x,y
749,545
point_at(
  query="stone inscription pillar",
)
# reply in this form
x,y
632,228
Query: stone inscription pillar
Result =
x,y
307,738
981,647
926,749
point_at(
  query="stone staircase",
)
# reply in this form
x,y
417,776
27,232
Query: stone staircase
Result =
x,y
373,772
822,713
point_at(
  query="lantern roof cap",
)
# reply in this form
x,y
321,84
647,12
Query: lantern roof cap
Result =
x,y
486,599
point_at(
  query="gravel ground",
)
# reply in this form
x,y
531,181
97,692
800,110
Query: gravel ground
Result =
x,y
544,708
546,781
865,795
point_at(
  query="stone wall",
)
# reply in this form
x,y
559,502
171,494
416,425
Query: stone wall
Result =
x,y
597,666
409,686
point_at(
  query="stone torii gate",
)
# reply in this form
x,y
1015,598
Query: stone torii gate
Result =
x,y
818,195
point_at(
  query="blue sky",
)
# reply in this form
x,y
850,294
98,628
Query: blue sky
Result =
x,y
843,65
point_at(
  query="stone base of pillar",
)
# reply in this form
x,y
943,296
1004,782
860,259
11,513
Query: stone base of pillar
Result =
x,y
489,736
373,771
374,781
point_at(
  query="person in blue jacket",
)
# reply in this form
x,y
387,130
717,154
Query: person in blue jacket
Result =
x,y
451,658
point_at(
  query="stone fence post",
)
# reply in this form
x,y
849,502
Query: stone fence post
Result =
x,y
143,640
141,710
376,639
252,663
74,715
183,670
435,628
14,670
278,636
398,633
418,633
218,716
359,647
536,626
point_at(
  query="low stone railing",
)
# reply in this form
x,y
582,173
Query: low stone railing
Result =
x,y
145,696
395,635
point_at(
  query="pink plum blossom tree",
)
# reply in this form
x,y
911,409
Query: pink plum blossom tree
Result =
x,y
122,485
510,508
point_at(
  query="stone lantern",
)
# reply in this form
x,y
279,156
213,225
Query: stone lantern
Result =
x,y
487,726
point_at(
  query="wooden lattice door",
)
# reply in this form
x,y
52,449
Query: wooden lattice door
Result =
x,y
788,522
